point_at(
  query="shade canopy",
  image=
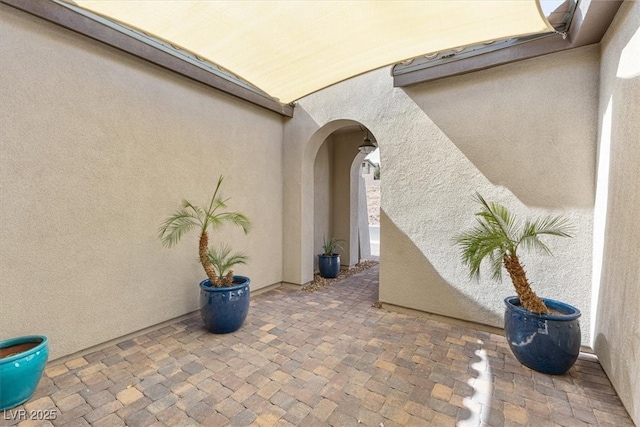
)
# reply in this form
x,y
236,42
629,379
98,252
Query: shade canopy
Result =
x,y
290,49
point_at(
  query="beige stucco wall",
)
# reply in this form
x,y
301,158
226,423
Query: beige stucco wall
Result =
x,y
429,179
96,149
345,225
527,126
617,329
323,198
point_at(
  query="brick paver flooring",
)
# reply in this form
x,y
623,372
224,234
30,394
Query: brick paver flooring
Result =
x,y
316,359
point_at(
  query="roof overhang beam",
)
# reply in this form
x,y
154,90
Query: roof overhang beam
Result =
x,y
590,22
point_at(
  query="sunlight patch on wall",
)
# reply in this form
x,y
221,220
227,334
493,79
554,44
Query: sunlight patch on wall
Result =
x,y
600,213
629,65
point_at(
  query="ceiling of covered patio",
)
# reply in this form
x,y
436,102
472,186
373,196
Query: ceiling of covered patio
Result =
x,y
289,49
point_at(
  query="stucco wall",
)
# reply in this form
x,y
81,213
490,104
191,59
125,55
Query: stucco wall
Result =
x,y
617,331
345,226
529,128
97,148
429,180
323,198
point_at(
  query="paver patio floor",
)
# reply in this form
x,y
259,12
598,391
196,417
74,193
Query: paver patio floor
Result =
x,y
314,359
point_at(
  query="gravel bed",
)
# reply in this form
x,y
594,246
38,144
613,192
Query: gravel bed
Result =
x,y
321,282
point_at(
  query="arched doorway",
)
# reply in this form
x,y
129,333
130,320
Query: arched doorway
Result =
x,y
339,194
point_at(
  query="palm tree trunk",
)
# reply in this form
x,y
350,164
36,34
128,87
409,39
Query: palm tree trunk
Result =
x,y
204,259
529,300
228,279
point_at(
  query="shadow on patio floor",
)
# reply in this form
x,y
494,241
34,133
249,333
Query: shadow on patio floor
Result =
x,y
315,359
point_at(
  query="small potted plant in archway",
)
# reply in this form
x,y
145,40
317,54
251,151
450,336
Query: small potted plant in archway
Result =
x,y
543,334
224,297
22,361
329,260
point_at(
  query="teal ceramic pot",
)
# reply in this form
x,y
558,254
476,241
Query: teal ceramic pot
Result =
x,y
329,265
224,310
22,361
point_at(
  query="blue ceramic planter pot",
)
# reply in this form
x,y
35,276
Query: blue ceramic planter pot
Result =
x,y
547,343
22,362
224,310
329,265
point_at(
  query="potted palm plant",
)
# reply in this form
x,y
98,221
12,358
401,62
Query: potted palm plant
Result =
x,y
224,297
543,334
329,260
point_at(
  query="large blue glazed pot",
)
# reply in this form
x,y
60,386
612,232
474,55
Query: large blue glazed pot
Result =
x,y
22,362
329,265
547,343
224,310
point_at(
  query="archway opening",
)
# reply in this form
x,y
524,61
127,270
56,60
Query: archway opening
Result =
x,y
340,203
371,177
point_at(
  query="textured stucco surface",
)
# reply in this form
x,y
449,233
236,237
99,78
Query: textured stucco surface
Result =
x,y
96,149
617,329
323,200
527,126
529,129
345,212
429,182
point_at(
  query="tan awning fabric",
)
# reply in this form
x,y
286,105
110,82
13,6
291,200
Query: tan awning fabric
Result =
x,y
292,48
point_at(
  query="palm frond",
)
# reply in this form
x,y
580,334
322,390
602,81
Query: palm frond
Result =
x,y
220,203
181,222
497,233
490,239
554,225
533,243
480,242
498,218
216,220
496,263
215,198
216,205
330,246
550,225
223,260
197,210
